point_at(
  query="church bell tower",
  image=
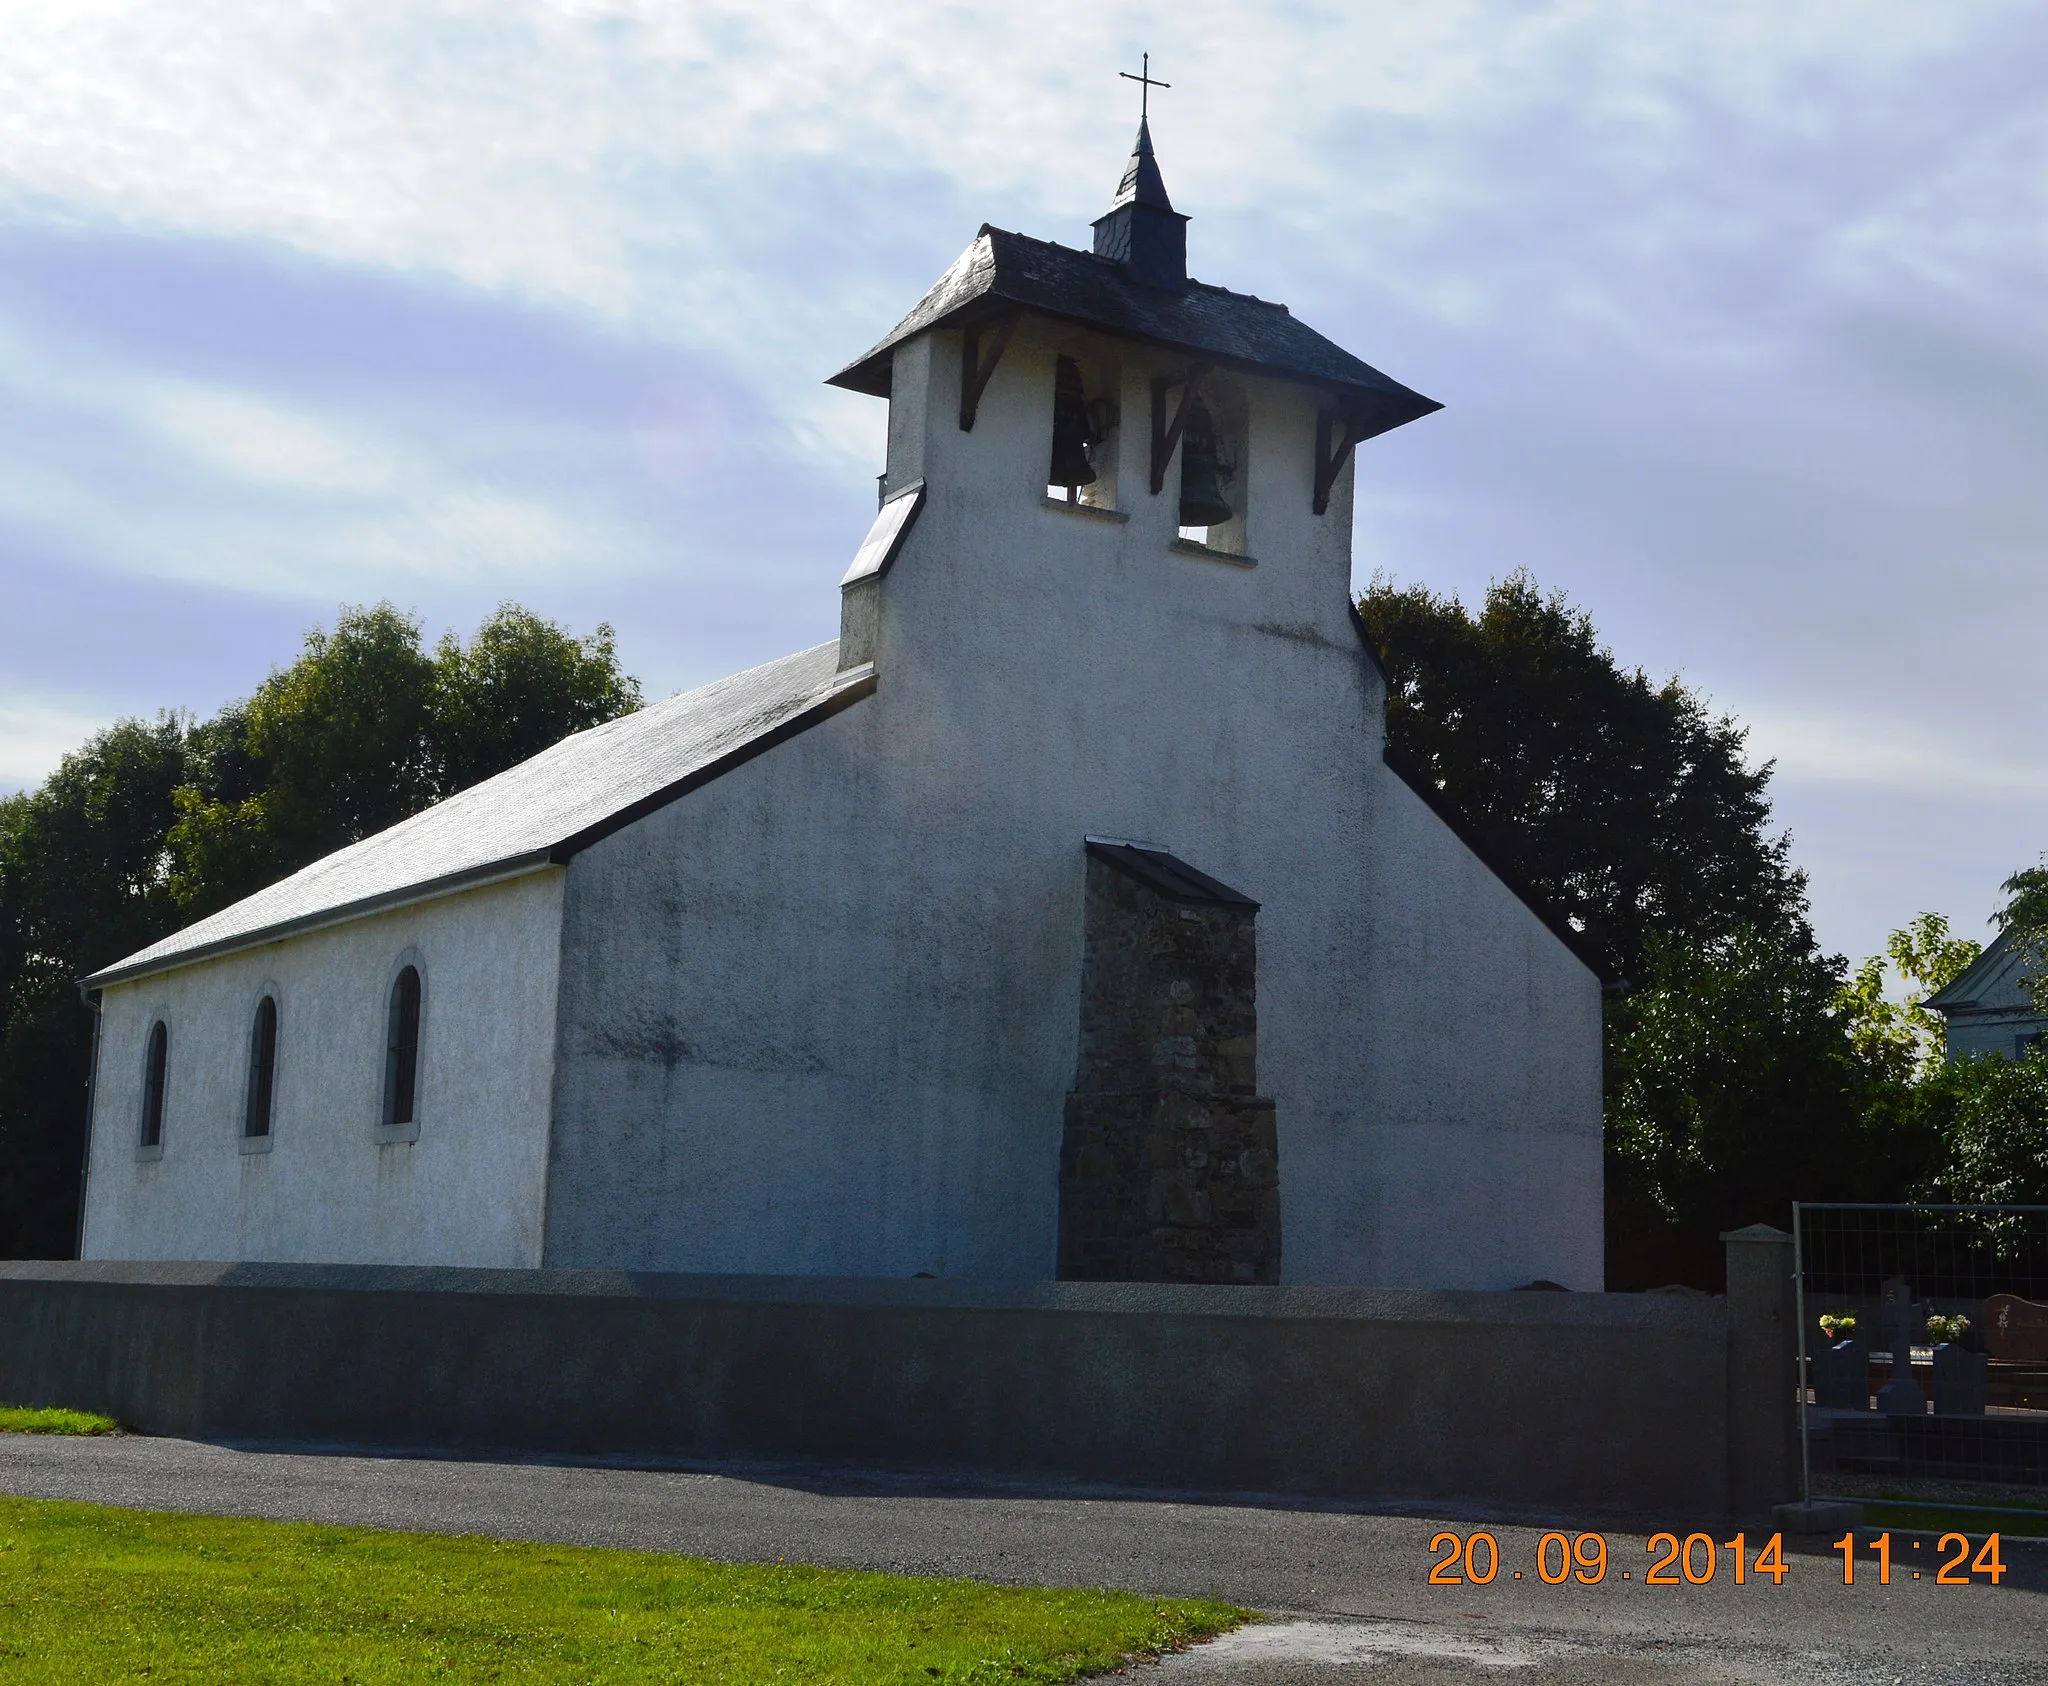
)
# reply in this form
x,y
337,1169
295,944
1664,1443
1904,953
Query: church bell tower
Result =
x,y
1036,381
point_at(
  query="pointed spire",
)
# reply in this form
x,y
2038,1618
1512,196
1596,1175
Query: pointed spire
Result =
x,y
1142,183
1141,230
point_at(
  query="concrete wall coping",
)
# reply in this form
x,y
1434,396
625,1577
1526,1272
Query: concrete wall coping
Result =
x,y
1666,1313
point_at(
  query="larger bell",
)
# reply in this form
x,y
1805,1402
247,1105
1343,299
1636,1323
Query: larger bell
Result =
x,y
1071,432
1202,503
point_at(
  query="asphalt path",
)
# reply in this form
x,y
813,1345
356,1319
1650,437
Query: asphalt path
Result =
x,y
1346,1589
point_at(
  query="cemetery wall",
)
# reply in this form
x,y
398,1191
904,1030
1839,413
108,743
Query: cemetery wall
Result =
x,y
1536,1398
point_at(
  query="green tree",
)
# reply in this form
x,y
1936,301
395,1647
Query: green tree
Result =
x,y
2024,919
1982,1123
366,728
1744,1069
1991,1114
1904,1040
328,751
84,879
1624,805
1733,1090
521,684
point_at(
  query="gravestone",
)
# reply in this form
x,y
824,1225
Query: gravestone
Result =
x,y
1962,1380
1841,1376
2015,1328
1169,1160
1902,1320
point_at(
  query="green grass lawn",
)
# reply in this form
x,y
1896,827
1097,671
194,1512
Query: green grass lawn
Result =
x,y
36,1419
92,1593
1931,1518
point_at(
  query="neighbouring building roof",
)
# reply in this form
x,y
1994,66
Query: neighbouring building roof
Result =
x,y
543,810
1994,982
1002,269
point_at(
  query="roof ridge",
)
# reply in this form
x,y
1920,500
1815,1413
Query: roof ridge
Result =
x,y
1112,264
1991,959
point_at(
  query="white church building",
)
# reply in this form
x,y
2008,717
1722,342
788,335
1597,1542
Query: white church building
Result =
x,y
1064,917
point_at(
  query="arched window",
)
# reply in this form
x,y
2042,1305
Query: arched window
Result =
x,y
155,1070
262,1068
402,1049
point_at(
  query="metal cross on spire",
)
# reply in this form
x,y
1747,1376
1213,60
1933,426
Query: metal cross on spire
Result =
x,y
1146,83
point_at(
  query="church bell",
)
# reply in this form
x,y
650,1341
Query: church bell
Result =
x,y
1202,503
1072,432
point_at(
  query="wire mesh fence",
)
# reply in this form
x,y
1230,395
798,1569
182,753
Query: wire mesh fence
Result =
x,y
1923,1358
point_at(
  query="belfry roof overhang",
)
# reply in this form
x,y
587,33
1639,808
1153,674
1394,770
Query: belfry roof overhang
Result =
x,y
1002,271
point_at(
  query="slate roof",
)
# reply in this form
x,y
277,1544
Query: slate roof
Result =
x,y
542,811
1209,322
1142,183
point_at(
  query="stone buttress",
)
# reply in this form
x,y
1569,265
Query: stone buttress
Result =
x,y
1169,1162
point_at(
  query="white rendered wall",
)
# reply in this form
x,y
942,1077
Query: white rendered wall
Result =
x,y
469,1191
820,1016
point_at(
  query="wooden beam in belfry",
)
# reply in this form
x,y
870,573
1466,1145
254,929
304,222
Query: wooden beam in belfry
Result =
x,y
1166,437
1337,435
978,361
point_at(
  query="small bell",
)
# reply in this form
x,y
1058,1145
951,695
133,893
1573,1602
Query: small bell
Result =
x,y
1072,432
1201,478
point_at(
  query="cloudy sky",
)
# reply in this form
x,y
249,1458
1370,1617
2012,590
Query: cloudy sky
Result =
x,y
1737,312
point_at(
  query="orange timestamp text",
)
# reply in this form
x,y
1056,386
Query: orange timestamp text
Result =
x,y
1695,1560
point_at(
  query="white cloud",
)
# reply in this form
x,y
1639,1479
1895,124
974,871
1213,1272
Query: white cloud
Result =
x,y
428,530
630,157
265,443
219,486
1891,751
36,732
1736,306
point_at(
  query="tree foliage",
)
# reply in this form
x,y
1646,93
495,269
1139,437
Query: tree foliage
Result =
x,y
1733,1090
2024,919
514,689
1991,1114
84,878
1904,1040
1744,1068
151,825
365,728
1623,804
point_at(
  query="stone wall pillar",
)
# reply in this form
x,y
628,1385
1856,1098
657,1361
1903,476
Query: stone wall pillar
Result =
x,y
1763,1357
1169,1160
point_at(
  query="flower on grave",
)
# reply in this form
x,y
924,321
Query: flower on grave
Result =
x,y
1950,1328
1838,1326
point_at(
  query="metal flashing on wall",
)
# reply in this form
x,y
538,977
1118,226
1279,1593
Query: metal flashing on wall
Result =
x,y
1166,874
892,524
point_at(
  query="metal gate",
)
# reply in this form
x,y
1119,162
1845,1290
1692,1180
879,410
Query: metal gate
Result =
x,y
1923,1361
